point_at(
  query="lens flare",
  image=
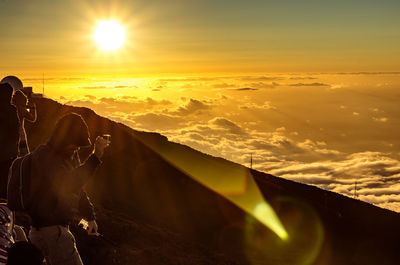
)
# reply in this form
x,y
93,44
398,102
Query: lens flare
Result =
x,y
231,181
266,215
301,222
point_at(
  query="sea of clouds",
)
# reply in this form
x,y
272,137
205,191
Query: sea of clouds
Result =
x,y
337,131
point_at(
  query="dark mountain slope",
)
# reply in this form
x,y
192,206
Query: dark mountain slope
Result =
x,y
145,180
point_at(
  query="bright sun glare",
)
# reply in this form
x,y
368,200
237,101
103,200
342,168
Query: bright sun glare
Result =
x,y
109,35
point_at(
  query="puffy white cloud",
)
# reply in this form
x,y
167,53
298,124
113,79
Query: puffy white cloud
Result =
x,y
381,119
224,85
259,78
156,122
245,89
124,104
251,105
310,84
227,125
374,174
192,106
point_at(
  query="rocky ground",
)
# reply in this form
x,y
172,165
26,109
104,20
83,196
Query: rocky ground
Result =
x,y
126,240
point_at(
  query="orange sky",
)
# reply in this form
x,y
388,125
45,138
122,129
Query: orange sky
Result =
x,y
199,37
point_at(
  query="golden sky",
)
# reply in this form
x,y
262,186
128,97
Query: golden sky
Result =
x,y
182,37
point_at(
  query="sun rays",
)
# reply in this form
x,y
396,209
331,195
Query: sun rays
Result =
x,y
109,35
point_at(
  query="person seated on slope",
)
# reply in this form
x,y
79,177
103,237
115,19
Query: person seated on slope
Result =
x,y
6,233
10,234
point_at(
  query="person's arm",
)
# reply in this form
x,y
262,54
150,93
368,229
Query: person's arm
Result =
x,y
32,113
12,131
80,175
86,210
29,112
19,234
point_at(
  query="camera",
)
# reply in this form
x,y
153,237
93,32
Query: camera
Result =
x,y
107,137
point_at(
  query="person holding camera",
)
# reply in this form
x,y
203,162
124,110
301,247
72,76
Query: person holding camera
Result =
x,y
25,111
57,189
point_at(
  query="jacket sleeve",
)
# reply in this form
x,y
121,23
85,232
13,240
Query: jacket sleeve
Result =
x,y
31,114
86,209
81,174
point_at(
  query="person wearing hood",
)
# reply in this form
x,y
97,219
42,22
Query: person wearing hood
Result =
x,y
9,135
58,179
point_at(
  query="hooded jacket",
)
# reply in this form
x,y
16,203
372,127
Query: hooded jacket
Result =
x,y
9,125
57,187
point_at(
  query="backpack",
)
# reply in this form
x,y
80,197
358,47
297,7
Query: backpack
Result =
x,y
19,183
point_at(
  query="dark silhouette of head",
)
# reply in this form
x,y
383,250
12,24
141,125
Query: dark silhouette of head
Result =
x,y
24,253
19,99
70,133
6,92
13,81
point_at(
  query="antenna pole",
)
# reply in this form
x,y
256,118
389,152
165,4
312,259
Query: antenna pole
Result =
x,y
251,161
43,85
355,189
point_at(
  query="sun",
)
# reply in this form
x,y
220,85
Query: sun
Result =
x,y
109,35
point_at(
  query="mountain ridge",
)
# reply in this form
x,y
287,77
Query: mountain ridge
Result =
x,y
137,179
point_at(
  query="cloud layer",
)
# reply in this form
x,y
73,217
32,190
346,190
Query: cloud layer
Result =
x,y
338,134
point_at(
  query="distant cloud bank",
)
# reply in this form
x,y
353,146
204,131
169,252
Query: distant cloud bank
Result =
x,y
342,139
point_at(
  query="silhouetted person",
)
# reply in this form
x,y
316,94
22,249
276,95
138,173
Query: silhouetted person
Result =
x,y
9,232
6,232
57,183
25,111
24,253
9,135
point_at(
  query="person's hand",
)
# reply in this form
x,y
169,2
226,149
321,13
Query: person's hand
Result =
x,y
31,106
92,228
99,145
